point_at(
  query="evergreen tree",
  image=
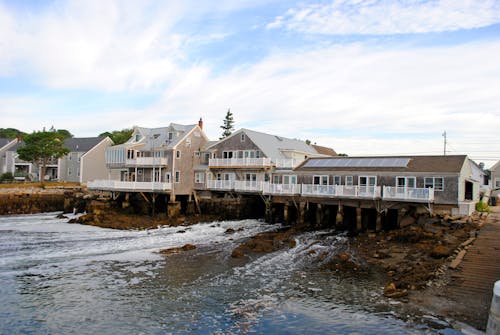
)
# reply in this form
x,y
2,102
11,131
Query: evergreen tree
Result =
x,y
228,125
40,147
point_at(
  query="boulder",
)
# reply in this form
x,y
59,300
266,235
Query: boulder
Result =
x,y
440,251
407,221
176,250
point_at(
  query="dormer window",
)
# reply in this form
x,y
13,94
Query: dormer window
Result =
x,y
137,137
170,136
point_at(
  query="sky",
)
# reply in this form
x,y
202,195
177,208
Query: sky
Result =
x,y
364,77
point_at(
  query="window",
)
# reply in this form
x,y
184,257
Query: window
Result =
x,y
497,183
242,137
137,137
227,154
349,180
178,154
170,136
199,177
197,154
337,180
188,142
409,182
367,181
69,171
292,179
177,176
276,179
437,183
251,177
78,172
320,180
130,154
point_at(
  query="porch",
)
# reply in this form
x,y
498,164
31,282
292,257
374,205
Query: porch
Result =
x,y
411,194
129,186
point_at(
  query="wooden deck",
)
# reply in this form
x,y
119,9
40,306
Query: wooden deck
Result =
x,y
474,278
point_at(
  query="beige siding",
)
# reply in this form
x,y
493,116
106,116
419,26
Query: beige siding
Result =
x,y
93,163
187,161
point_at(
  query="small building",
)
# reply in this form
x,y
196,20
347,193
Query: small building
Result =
x,y
495,175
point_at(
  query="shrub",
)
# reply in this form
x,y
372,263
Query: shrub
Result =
x,y
482,207
6,177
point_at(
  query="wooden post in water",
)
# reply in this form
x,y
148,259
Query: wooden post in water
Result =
x,y
286,217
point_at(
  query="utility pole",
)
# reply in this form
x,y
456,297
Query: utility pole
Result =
x,y
444,150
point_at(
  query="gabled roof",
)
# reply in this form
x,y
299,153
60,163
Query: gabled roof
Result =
x,y
7,143
324,150
273,146
496,166
159,137
82,144
438,164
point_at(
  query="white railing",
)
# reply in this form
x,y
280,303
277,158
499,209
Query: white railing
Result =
x,y
285,163
281,189
117,185
147,161
408,194
248,186
341,191
237,162
220,185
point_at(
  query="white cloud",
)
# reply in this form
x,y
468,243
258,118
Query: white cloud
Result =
x,y
374,97
389,17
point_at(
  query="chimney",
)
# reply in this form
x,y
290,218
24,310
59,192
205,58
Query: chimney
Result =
x,y
19,137
200,123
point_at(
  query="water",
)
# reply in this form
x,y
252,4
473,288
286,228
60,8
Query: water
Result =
x,y
60,278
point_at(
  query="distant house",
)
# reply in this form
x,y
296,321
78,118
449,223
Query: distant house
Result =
x,y
246,159
84,162
157,160
495,176
5,145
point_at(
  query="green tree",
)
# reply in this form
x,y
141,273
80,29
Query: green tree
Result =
x,y
228,125
9,132
343,155
118,136
40,147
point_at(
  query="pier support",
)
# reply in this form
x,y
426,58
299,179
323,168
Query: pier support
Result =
x,y
339,218
173,209
378,224
286,216
359,219
301,213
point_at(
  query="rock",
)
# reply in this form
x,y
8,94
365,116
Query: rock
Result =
x,y
440,251
229,231
345,257
237,253
61,216
176,250
391,287
181,231
399,293
407,221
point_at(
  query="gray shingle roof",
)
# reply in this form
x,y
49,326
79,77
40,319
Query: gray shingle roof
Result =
x,y
4,141
82,144
443,164
272,146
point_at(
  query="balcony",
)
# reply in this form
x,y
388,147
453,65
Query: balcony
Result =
x,y
132,186
341,191
147,161
411,194
239,162
285,163
248,186
220,185
281,189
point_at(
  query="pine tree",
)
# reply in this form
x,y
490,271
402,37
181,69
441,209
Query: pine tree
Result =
x,y
228,125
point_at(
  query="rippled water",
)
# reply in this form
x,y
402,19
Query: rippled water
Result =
x,y
60,278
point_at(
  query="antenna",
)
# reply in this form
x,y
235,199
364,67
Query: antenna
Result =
x,y
444,150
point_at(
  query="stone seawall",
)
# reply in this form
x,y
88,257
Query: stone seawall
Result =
x,y
234,209
31,201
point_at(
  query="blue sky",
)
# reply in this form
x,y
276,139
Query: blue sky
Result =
x,y
365,77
